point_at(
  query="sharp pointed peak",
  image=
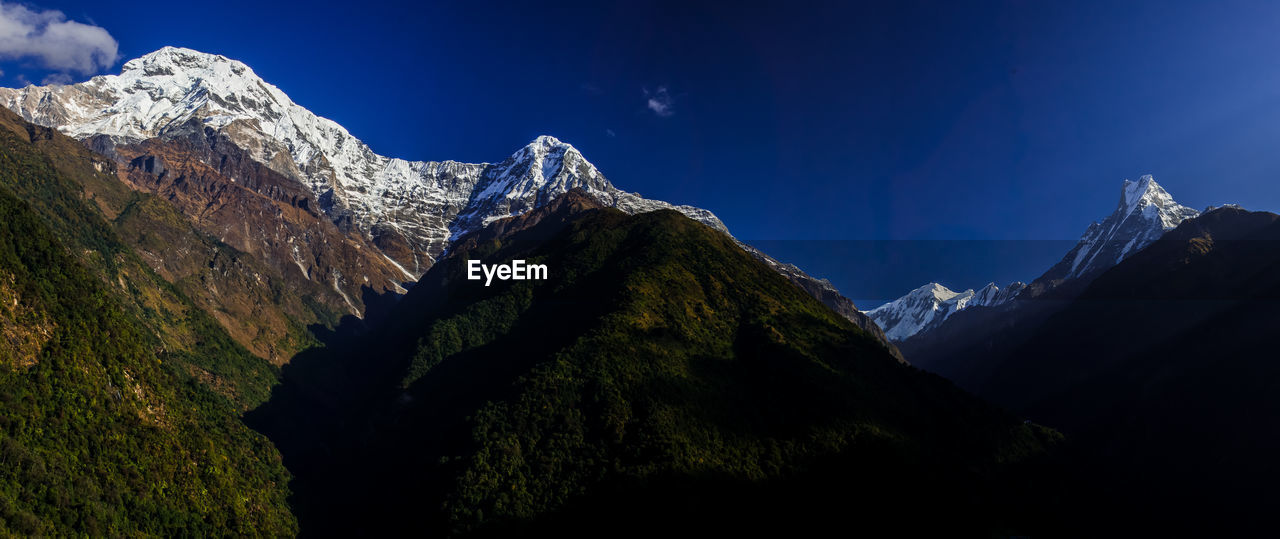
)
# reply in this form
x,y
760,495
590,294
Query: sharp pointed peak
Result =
x,y
1145,191
1133,190
990,288
1142,180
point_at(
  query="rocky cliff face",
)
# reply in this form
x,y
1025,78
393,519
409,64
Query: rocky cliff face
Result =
x,y
258,211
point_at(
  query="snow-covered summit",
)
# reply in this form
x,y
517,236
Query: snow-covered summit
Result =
x,y
155,92
541,171
1146,196
1145,212
926,307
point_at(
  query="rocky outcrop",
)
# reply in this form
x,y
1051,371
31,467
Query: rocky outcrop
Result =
x,y
257,211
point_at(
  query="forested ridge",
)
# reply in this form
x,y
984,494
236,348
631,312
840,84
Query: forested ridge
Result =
x,y
661,379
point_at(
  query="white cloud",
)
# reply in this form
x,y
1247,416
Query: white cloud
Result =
x,y
660,101
55,42
610,133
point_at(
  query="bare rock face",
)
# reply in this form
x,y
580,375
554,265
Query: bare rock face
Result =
x,y
259,309
260,212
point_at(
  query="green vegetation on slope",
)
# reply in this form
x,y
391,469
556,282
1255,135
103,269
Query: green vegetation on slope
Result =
x,y
258,308
123,418
103,436
27,169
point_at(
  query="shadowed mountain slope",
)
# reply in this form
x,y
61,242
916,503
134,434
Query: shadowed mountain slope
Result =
x,y
1162,373
660,377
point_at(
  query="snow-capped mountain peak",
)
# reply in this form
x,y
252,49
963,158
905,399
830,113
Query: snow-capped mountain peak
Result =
x,y
1145,212
937,292
170,60
927,306
1149,198
541,171
153,93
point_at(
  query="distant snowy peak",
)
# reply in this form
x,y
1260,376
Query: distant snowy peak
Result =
x,y
1145,212
926,307
992,295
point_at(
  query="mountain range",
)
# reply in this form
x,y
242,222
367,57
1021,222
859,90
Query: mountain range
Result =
x,y
221,314
1145,213
926,307
300,193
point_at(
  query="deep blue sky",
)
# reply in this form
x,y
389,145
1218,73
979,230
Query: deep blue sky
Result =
x,y
791,121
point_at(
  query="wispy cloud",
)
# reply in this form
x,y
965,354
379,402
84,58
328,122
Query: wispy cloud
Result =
x,y
610,133
53,41
660,101
56,78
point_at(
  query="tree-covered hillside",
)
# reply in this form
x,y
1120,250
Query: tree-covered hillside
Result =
x,y
660,377
120,398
